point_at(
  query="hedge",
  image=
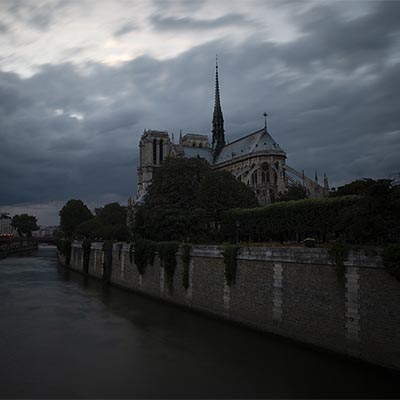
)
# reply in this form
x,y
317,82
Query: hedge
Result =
x,y
292,220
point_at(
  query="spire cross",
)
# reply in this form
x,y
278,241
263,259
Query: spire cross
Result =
x,y
265,120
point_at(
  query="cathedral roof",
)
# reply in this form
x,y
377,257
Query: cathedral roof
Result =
x,y
203,152
260,141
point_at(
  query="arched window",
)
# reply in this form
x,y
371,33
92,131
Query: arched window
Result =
x,y
155,151
254,178
161,151
263,177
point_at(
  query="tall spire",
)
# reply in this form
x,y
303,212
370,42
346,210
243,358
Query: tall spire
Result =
x,y
218,132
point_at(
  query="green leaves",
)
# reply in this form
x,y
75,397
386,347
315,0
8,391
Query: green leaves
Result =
x,y
144,253
391,260
167,253
230,260
72,214
185,257
186,201
286,220
25,224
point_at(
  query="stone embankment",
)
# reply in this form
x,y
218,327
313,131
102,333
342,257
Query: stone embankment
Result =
x,y
293,292
15,246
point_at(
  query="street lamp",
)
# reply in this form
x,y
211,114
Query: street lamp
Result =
x,y
237,231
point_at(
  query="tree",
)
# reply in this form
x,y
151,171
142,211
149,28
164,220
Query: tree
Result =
x,y
294,192
109,223
112,214
220,191
186,199
375,219
25,224
362,187
72,214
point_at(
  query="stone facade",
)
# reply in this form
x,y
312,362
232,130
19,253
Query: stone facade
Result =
x,y
293,292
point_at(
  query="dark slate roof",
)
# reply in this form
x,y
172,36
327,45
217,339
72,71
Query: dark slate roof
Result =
x,y
203,152
255,142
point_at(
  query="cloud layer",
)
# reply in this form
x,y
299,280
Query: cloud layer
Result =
x,y
71,118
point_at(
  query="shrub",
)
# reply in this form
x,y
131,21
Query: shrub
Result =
x,y
86,245
230,260
64,246
185,257
309,242
167,253
391,259
286,220
145,251
339,252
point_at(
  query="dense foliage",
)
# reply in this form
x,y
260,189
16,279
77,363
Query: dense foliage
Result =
x,y
73,213
361,187
112,214
295,192
339,252
143,254
25,224
292,220
76,220
107,264
64,246
167,253
186,249
371,217
186,200
391,260
86,246
230,261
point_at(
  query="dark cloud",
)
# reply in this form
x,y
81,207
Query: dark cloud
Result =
x,y
331,95
187,23
330,41
4,28
39,14
126,28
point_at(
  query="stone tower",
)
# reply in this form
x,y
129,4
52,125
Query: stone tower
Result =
x,y
154,147
218,131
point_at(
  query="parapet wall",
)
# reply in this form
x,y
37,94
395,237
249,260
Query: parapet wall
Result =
x,y
293,292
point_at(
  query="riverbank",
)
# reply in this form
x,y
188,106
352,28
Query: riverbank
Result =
x,y
293,292
17,246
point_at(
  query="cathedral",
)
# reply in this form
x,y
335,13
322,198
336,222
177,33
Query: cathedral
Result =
x,y
255,159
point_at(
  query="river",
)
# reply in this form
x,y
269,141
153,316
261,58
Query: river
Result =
x,y
63,335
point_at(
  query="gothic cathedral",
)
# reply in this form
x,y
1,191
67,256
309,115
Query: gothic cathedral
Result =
x,y
255,159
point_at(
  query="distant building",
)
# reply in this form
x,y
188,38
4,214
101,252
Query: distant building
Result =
x,y
45,231
255,159
5,226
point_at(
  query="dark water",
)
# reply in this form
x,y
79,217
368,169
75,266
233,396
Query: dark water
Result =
x,y
63,337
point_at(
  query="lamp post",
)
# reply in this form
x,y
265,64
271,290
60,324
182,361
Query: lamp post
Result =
x,y
237,231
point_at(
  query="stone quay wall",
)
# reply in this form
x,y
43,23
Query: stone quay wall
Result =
x,y
293,292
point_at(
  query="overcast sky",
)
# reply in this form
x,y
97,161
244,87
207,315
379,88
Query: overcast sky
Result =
x,y
81,80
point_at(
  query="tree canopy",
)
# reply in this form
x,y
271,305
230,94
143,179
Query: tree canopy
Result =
x,y
112,214
25,224
294,192
186,199
72,214
109,223
366,186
